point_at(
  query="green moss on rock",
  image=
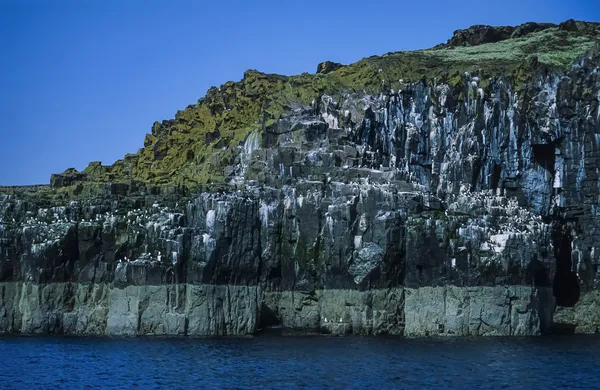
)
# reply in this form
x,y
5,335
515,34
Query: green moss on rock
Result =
x,y
197,146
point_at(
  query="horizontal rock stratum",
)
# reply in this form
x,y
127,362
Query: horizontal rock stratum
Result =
x,y
448,191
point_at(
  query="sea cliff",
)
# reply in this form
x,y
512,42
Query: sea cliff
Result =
x,y
449,191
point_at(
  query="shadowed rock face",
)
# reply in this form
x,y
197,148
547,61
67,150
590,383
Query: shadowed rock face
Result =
x,y
328,66
469,207
482,34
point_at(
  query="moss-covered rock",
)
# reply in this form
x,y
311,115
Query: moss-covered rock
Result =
x,y
201,143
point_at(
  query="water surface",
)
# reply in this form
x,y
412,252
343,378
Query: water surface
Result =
x,y
300,362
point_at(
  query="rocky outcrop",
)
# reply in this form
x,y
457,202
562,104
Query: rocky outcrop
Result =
x,y
482,34
464,205
327,67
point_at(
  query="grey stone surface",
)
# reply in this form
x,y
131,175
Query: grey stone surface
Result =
x,y
62,308
201,310
340,311
584,317
475,311
236,310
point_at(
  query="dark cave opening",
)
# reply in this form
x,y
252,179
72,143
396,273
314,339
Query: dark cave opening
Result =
x,y
544,155
268,318
496,172
565,287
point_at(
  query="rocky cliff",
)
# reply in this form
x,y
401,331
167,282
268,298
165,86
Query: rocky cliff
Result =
x,y
448,191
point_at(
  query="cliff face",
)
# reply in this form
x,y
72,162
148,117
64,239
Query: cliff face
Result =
x,y
452,191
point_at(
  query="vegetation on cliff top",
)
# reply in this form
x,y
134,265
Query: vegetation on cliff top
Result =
x,y
197,145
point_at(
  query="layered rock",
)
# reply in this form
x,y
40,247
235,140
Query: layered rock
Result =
x,y
462,204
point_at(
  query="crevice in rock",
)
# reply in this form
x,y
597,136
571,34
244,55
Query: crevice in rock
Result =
x,y
477,166
538,274
565,287
268,319
496,173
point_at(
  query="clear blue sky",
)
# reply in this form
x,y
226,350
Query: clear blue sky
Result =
x,y
84,80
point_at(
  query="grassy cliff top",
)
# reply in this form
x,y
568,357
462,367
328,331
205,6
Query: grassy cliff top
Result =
x,y
194,148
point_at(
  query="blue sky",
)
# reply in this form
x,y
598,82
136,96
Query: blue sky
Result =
x,y
83,81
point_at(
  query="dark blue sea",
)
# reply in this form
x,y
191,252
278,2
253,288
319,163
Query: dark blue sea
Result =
x,y
280,362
